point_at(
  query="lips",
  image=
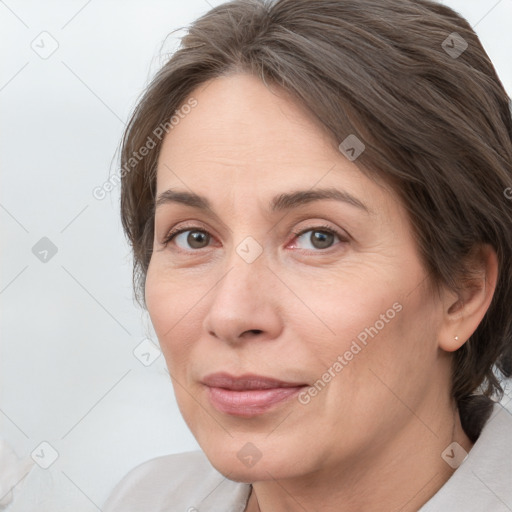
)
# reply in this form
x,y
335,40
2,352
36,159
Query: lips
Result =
x,y
248,395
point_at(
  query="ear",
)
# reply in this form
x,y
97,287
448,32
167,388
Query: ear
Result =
x,y
463,313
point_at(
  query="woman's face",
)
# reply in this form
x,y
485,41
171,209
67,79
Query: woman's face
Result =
x,y
298,330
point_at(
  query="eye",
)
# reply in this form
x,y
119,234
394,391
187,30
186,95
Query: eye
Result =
x,y
195,239
187,238
321,237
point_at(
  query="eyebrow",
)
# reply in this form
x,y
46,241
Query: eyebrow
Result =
x,y
281,202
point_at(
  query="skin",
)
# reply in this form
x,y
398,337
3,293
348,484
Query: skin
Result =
x,y
372,438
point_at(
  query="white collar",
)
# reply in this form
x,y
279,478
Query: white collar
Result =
x,y
483,482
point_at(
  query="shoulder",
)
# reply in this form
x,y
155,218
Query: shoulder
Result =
x,y
184,481
482,481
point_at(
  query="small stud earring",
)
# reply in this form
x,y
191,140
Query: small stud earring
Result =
x,y
456,338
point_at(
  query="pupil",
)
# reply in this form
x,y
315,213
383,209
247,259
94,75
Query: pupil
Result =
x,y
320,239
196,238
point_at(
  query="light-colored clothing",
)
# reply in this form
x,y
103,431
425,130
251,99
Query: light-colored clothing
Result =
x,y
13,472
187,482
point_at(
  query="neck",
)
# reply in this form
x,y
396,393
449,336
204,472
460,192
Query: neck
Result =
x,y
402,474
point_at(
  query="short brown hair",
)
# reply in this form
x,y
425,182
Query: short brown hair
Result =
x,y
432,113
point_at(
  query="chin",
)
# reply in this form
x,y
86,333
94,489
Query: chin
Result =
x,y
244,462
238,472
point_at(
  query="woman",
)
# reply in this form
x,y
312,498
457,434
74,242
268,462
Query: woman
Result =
x,y
315,197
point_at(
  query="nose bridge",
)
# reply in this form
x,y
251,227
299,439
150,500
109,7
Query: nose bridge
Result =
x,y
246,274
242,299
246,258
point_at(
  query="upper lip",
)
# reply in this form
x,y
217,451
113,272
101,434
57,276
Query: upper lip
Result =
x,y
246,381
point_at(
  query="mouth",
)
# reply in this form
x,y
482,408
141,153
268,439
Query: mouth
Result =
x,y
248,395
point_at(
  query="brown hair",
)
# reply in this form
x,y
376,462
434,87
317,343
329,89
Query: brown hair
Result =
x,y
432,113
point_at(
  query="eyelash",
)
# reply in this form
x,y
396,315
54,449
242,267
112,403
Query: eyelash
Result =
x,y
323,228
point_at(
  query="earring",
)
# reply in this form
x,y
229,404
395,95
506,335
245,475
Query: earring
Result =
x,y
456,338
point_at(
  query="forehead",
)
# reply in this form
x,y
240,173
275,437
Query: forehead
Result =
x,y
238,121
245,138
239,114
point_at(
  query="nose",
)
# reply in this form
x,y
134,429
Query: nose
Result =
x,y
245,303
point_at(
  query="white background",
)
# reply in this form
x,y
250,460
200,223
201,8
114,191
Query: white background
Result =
x,y
68,375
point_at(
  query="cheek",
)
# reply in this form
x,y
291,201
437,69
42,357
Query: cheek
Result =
x,y
378,331
339,310
389,362
170,304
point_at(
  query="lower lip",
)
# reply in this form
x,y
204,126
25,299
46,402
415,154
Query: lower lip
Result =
x,y
252,402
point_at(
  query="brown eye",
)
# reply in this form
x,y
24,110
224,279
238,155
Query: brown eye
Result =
x,y
198,239
318,238
187,239
321,239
